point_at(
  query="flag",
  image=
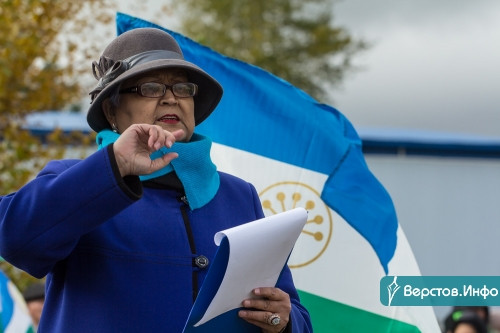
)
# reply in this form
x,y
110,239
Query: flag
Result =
x,y
14,315
298,152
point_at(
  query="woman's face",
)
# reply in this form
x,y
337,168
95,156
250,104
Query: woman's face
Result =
x,y
169,112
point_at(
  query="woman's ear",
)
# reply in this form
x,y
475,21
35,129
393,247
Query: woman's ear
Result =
x,y
108,110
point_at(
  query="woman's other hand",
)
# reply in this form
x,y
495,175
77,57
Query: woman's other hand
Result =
x,y
137,143
269,302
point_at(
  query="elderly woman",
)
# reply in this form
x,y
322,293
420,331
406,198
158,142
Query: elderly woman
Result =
x,y
125,236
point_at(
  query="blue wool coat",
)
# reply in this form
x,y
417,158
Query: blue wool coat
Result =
x,y
117,254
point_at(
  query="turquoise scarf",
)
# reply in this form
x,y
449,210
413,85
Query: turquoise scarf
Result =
x,y
194,167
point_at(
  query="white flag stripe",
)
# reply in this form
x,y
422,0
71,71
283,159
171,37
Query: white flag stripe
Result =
x,y
404,263
20,321
348,259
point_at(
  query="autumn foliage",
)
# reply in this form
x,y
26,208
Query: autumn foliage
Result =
x,y
42,56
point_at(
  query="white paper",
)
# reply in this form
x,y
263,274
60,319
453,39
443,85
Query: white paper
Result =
x,y
258,253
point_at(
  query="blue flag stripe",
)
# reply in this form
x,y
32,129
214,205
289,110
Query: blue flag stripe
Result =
x,y
7,304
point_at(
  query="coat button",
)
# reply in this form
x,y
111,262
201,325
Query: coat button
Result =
x,y
201,261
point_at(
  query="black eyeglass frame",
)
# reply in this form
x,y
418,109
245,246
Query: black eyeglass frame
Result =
x,y
137,89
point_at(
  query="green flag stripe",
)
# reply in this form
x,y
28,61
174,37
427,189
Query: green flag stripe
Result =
x,y
329,316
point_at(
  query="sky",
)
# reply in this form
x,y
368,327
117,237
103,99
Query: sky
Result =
x,y
433,65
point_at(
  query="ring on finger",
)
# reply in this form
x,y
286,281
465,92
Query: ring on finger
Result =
x,y
274,319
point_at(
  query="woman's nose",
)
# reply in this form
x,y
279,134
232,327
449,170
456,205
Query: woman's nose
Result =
x,y
168,98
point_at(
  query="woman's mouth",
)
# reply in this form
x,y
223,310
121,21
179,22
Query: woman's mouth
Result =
x,y
169,119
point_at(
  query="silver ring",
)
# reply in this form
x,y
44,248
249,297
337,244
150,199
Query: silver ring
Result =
x,y
274,319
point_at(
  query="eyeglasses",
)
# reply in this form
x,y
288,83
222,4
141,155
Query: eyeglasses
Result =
x,y
155,89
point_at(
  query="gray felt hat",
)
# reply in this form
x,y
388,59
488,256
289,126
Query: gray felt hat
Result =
x,y
139,51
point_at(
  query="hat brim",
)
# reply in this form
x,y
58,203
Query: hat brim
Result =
x,y
207,98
